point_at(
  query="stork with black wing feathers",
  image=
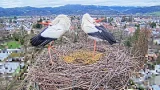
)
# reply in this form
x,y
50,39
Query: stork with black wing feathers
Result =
x,y
96,31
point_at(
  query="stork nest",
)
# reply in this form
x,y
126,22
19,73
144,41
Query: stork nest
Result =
x,y
111,70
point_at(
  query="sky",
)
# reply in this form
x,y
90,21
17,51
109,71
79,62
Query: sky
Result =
x,y
56,3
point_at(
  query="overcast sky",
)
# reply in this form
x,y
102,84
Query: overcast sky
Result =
x,y
55,3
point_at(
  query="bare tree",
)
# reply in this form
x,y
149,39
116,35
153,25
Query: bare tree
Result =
x,y
140,44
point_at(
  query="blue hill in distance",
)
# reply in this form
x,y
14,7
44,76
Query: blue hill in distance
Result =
x,y
77,9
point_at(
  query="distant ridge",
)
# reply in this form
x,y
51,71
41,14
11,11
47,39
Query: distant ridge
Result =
x,y
77,9
143,10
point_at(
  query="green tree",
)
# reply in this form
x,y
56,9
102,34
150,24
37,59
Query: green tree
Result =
x,y
136,35
153,25
105,19
10,20
137,25
40,20
1,20
110,20
15,17
21,40
19,36
16,36
130,19
78,18
14,21
123,19
140,44
72,18
34,26
44,18
125,26
128,42
38,25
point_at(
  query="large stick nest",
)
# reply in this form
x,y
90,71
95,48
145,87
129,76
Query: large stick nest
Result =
x,y
112,71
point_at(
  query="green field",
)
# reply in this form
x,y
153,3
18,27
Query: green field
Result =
x,y
12,44
155,13
1,47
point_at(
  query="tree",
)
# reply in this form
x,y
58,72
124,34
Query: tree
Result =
x,y
10,20
110,24
44,18
15,17
40,20
110,20
1,20
78,18
16,36
21,40
72,18
14,21
34,26
123,19
137,25
153,25
130,19
39,25
136,35
125,26
105,19
128,42
19,36
140,44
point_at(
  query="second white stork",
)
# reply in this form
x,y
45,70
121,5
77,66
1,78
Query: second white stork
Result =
x,y
95,30
55,30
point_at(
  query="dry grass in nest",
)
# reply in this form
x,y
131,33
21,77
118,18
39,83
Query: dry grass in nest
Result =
x,y
83,56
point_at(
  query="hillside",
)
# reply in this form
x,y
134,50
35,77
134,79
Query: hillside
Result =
x,y
143,10
77,9
155,13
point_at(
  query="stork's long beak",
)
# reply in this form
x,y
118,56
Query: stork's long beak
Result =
x,y
45,23
99,20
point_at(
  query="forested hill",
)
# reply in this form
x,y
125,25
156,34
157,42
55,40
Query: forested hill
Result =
x,y
77,9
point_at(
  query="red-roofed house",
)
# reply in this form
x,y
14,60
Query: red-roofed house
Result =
x,y
130,30
108,26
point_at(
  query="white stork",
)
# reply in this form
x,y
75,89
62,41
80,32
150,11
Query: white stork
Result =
x,y
55,30
96,31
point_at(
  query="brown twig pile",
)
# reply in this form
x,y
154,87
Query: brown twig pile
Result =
x,y
111,72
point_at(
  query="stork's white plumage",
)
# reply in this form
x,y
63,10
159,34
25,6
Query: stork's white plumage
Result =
x,y
57,28
95,30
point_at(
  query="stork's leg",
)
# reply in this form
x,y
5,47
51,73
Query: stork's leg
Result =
x,y
53,48
49,52
94,48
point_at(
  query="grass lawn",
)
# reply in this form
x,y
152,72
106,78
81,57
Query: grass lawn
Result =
x,y
13,44
1,47
155,13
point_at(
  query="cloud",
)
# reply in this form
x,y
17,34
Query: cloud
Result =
x,y
53,3
11,3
